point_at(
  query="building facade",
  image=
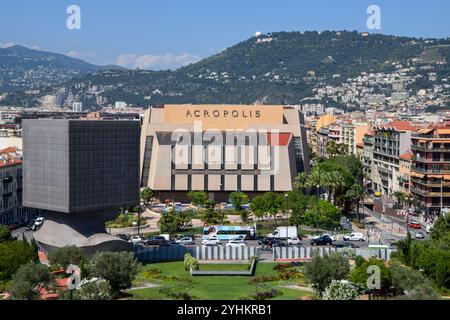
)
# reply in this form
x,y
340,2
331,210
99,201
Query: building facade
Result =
x,y
11,210
221,149
390,141
430,172
80,172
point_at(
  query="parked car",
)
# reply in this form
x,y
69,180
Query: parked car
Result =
x,y
415,225
30,226
419,235
185,241
328,235
355,236
123,237
211,242
211,238
322,240
280,244
346,245
135,240
294,241
39,222
154,241
236,243
265,241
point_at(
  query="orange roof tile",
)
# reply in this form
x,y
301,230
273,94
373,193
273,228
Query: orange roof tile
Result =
x,y
407,155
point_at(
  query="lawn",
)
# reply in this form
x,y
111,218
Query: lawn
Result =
x,y
174,278
224,267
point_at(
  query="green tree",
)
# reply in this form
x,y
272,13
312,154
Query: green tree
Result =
x,y
399,196
323,215
298,204
405,279
238,199
198,198
322,270
5,234
441,229
211,216
300,181
172,222
357,194
258,206
14,254
147,195
118,268
359,274
30,280
66,256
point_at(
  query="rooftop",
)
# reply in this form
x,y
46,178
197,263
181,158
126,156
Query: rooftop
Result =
x,y
9,157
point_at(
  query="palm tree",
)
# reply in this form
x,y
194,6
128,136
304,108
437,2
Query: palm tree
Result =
x,y
316,181
300,181
357,194
400,196
335,182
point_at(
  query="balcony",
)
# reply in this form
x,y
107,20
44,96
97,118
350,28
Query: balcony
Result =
x,y
427,193
431,149
430,171
425,160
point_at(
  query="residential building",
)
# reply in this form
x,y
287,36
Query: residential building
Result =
x,y
11,210
404,179
430,172
390,141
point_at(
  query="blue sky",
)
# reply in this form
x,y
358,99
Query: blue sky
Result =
x,y
166,34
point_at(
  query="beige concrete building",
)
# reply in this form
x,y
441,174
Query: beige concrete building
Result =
x,y
221,149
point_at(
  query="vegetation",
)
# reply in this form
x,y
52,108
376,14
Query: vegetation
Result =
x,y
66,256
118,268
5,234
30,280
341,290
94,289
13,255
172,222
190,263
322,270
125,220
147,196
268,204
198,198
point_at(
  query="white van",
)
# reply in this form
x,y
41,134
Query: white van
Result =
x,y
355,236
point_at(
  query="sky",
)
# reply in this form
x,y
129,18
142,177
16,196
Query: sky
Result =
x,y
167,34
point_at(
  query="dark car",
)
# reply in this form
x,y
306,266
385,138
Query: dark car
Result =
x,y
155,241
30,226
280,244
346,245
322,241
123,237
265,241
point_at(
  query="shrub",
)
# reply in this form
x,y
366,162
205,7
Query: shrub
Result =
x,y
94,289
266,293
282,266
259,279
341,290
151,273
359,274
66,256
291,274
118,268
175,294
13,255
190,263
322,270
29,281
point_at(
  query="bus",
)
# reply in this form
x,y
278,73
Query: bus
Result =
x,y
226,233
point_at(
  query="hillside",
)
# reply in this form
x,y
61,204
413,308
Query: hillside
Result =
x,y
22,68
281,67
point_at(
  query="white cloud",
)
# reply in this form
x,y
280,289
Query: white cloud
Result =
x,y
7,45
156,62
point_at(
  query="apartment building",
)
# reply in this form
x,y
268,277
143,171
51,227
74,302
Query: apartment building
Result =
x,y
389,142
11,210
430,171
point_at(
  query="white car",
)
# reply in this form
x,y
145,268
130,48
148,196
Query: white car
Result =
x,y
419,235
185,241
39,222
294,241
355,236
236,243
135,240
211,241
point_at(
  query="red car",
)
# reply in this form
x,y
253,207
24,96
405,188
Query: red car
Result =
x,y
415,225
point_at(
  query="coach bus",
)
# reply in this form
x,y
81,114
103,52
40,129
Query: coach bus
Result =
x,y
225,233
